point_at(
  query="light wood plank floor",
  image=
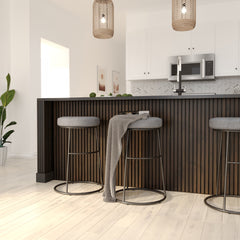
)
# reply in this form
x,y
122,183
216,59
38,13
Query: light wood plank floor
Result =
x,y
30,210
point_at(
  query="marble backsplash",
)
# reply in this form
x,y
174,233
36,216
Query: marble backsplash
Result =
x,y
223,85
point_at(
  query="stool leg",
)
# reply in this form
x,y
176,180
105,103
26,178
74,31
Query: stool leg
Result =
x,y
99,159
226,170
125,168
68,158
219,163
161,161
127,175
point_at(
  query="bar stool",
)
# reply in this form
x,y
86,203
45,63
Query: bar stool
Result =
x,y
151,124
227,125
71,123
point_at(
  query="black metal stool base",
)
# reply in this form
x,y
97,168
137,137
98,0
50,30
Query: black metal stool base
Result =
x,y
77,193
143,203
218,208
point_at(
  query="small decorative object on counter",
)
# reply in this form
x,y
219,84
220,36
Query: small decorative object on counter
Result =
x,y
124,95
92,94
127,95
6,98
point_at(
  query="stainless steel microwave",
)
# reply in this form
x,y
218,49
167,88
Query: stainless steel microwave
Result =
x,y
194,67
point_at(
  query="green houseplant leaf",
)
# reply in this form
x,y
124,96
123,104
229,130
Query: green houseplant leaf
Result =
x,y
7,135
1,111
11,123
2,115
7,97
8,81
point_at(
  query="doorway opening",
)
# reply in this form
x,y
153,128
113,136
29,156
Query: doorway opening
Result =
x,y
55,70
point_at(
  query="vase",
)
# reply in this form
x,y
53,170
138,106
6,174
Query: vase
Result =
x,y
3,155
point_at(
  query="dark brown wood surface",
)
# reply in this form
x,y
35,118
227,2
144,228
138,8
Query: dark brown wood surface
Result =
x,y
190,148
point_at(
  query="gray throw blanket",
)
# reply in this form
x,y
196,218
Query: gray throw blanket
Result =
x,y
117,128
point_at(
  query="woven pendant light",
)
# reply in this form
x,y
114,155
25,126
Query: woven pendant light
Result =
x,y
103,19
183,15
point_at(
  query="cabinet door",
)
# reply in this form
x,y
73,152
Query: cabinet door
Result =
x,y
136,55
158,53
203,38
179,42
238,46
227,49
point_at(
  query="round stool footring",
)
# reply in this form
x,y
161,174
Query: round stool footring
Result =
x,y
77,193
219,208
143,203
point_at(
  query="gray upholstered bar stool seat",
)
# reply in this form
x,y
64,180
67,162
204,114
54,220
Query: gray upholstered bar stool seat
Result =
x,y
76,123
150,123
227,125
230,124
153,124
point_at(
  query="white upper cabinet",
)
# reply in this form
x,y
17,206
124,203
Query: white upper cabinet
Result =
x,y
148,50
147,53
198,41
136,55
203,38
158,53
227,49
179,42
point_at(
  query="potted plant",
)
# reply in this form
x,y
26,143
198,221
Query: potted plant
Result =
x,y
6,98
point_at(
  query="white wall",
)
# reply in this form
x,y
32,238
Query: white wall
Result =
x,y
23,24
14,58
4,42
75,32
22,108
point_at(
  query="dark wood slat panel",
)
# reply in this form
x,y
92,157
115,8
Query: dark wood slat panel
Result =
x,y
190,148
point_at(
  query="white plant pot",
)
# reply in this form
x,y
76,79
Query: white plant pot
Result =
x,y
3,155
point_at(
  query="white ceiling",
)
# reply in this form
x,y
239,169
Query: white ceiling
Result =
x,y
78,6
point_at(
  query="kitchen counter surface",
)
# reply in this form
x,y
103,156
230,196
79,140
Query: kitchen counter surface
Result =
x,y
191,96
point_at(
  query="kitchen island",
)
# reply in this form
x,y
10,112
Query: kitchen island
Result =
x,y
190,147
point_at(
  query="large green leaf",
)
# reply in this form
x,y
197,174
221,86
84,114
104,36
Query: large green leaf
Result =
x,y
7,135
7,97
8,77
11,123
2,114
1,110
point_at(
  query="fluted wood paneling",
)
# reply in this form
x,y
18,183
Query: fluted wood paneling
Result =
x,y
190,148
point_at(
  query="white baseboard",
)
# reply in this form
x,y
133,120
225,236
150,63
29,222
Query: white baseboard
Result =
x,y
23,156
